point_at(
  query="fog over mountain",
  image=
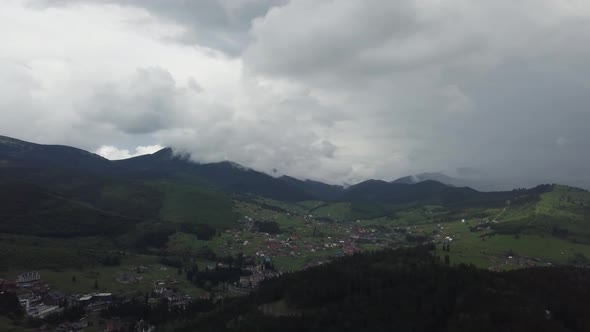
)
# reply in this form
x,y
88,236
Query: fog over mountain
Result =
x,y
494,92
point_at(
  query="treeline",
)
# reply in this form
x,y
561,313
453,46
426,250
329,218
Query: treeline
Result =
x,y
209,278
156,235
160,314
270,227
409,290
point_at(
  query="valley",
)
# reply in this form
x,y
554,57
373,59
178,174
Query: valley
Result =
x,y
162,224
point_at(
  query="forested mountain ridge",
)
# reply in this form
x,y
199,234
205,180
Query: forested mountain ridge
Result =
x,y
168,186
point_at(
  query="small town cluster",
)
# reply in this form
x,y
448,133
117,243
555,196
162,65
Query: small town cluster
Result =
x,y
258,241
40,301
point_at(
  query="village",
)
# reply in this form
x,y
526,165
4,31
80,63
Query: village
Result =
x,y
70,312
463,240
298,240
269,242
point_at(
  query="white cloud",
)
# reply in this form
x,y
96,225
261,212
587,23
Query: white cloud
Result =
x,y
364,88
113,153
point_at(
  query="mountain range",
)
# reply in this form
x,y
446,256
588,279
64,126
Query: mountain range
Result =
x,y
48,186
47,164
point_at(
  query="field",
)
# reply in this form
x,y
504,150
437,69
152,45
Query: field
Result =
x,y
487,248
82,280
336,211
29,252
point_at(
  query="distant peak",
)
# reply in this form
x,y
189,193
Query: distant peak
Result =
x,y
164,152
236,165
417,178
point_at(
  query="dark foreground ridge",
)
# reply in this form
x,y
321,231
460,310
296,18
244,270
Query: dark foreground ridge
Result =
x,y
408,290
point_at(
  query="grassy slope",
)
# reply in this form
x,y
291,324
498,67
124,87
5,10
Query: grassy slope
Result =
x,y
189,204
106,277
487,248
563,212
28,209
337,211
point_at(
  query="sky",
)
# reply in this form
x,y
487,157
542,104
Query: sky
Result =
x,y
333,90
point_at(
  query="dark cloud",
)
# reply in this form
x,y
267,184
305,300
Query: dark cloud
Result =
x,y
443,82
145,103
217,24
338,91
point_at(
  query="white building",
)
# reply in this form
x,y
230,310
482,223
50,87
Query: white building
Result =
x,y
28,277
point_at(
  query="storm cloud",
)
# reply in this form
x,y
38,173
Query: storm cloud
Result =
x,y
338,91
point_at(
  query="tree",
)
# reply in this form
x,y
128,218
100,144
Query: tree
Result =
x,y
9,304
447,260
73,278
95,284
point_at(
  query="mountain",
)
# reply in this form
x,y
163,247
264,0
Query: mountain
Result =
x,y
168,186
14,152
71,188
55,164
32,210
440,177
480,184
318,190
227,176
425,192
143,190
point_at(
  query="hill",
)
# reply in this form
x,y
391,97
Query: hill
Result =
x,y
424,192
151,190
408,290
63,166
559,211
14,152
28,209
439,177
315,189
169,187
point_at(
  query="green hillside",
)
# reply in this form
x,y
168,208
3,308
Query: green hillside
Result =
x,y
407,290
28,209
194,205
562,212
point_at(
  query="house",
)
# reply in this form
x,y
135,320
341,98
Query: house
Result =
x,y
251,281
28,278
42,311
103,297
256,278
73,327
95,300
54,298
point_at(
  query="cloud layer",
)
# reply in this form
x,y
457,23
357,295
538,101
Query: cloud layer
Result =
x,y
114,153
338,91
